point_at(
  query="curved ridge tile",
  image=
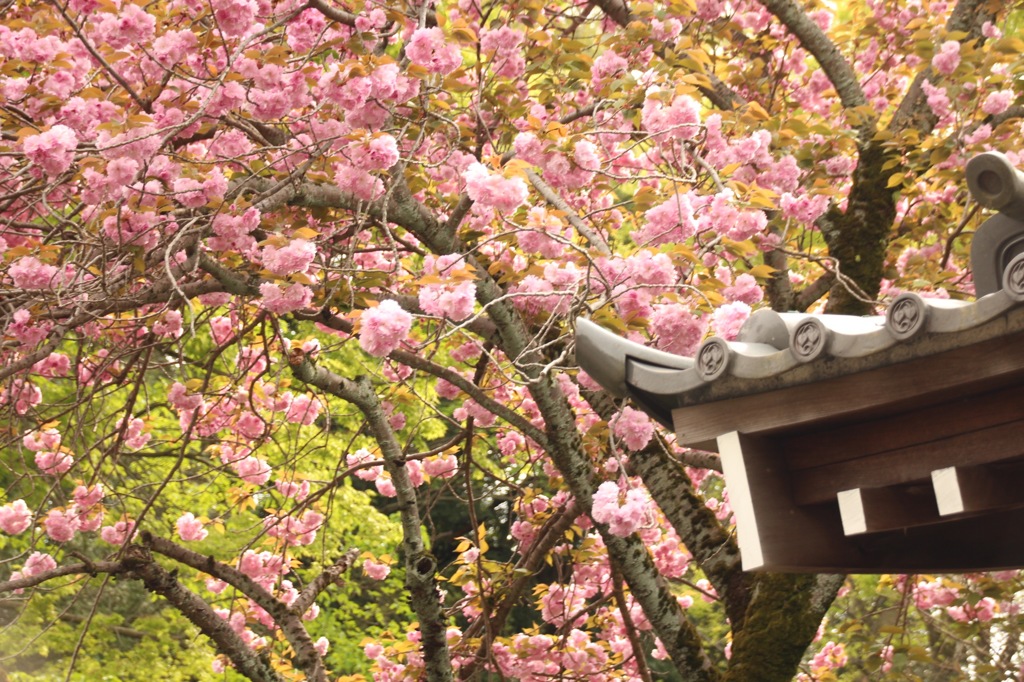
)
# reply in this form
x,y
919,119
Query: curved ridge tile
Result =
x,y
602,354
717,357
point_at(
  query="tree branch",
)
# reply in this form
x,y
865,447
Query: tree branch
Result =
x,y
307,658
552,197
328,576
139,564
112,567
420,565
913,112
451,376
719,94
814,40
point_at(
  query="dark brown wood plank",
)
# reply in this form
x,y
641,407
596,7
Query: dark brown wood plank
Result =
x,y
829,445
1003,442
923,381
978,489
977,543
874,510
771,529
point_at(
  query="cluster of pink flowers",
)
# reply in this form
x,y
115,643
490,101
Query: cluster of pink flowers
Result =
x,y
28,272
625,517
50,457
294,531
233,232
505,46
542,226
832,656
997,102
190,529
633,427
442,466
15,517
249,468
21,393
169,326
677,329
384,328
563,170
727,319
52,150
296,256
297,491
375,152
266,568
280,299
363,456
454,300
37,562
375,569
947,58
679,119
428,47
494,190
119,533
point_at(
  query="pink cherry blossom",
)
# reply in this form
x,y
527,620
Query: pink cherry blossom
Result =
x,y
633,427
997,102
38,562
744,288
169,326
304,409
38,441
622,519
281,300
87,498
54,463
61,526
28,272
677,329
52,150
494,190
294,257
379,152
363,456
23,394
15,517
947,58
119,533
452,301
292,489
727,319
442,466
252,470
429,48
190,529
384,328
234,17
679,119
671,221
376,570
385,486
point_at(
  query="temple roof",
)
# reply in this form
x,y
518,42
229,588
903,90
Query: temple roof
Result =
x,y
776,351
892,443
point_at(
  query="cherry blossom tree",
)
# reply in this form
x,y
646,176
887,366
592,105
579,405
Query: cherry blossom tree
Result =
x,y
288,292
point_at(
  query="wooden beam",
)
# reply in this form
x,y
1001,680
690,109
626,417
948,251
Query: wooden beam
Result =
x,y
874,510
976,489
773,532
814,447
904,384
914,464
